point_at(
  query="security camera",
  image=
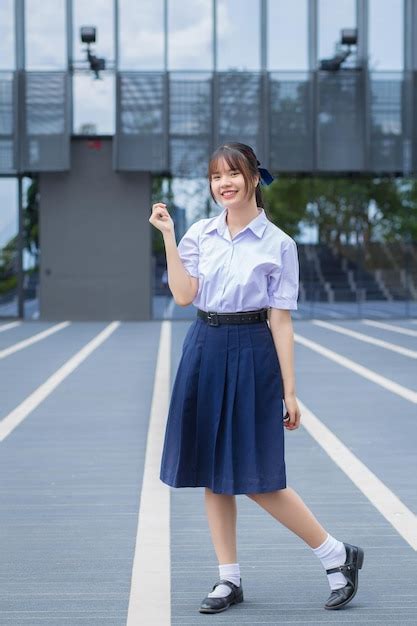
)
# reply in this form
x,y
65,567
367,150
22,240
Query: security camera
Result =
x,y
88,34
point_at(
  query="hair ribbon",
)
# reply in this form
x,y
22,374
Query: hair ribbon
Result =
x,y
266,177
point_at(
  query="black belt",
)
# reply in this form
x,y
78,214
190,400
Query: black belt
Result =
x,y
244,317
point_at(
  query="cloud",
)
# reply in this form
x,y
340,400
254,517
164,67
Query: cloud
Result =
x,y
94,103
7,60
45,34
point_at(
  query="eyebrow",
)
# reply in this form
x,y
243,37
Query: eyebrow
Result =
x,y
233,169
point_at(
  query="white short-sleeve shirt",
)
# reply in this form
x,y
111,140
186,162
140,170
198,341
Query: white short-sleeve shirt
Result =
x,y
256,269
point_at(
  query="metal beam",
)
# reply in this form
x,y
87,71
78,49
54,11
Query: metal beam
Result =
x,y
264,120
70,60
362,11
313,75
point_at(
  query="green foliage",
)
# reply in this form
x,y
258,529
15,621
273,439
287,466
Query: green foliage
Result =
x,y
31,218
369,208
8,284
405,222
286,202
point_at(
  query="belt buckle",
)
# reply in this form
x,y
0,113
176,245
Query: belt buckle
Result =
x,y
210,317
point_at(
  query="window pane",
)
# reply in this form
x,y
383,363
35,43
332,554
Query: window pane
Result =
x,y
9,215
333,16
238,23
7,55
45,34
141,37
386,37
190,30
94,99
31,252
93,105
287,35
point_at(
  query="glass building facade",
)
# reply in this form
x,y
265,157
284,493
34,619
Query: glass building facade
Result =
x,y
183,76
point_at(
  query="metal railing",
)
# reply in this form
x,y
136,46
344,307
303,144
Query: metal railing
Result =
x,y
306,122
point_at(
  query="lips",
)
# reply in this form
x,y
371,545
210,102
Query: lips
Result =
x,y
229,193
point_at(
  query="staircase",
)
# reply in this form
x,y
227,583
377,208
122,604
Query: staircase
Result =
x,y
328,276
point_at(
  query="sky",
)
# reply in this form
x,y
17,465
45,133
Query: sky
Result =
x,y
189,46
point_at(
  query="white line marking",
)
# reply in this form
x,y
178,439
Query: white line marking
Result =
x,y
9,326
404,392
170,309
366,338
388,504
150,592
28,342
15,417
395,329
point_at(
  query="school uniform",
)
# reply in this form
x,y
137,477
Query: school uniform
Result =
x,y
225,422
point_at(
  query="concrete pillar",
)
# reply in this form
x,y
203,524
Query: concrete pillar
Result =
x,y
95,239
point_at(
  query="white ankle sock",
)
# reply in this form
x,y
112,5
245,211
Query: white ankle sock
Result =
x,y
332,553
227,571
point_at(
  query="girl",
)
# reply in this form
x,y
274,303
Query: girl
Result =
x,y
225,426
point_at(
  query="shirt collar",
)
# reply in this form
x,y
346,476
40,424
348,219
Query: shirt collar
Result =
x,y
257,225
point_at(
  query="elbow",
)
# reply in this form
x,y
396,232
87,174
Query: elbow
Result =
x,y
187,296
181,302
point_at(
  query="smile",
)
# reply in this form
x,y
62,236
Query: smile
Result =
x,y
228,193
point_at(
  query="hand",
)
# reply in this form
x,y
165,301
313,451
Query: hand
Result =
x,y
161,219
293,413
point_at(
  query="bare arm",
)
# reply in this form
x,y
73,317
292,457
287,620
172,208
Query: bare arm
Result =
x,y
280,323
183,286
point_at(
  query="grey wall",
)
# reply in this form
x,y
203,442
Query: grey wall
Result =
x,y
95,239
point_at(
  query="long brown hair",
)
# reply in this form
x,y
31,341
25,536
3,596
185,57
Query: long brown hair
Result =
x,y
238,156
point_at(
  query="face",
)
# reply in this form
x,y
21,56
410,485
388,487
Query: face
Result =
x,y
228,185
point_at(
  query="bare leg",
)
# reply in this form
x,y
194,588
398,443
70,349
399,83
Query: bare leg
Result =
x,y
222,514
289,509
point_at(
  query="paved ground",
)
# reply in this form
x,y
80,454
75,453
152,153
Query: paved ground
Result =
x,y
164,308
73,456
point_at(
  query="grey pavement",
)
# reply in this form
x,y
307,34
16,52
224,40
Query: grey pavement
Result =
x,y
71,476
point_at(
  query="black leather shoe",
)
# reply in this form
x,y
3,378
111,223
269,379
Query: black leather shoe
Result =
x,y
215,605
354,561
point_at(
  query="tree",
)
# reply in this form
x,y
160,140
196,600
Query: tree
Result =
x,y
287,202
370,208
31,219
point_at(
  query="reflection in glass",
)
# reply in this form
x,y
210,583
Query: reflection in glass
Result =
x,y
190,34
386,34
238,35
141,35
31,252
7,52
332,17
9,228
93,104
287,35
45,34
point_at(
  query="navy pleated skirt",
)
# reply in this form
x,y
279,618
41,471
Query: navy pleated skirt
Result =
x,y
225,422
